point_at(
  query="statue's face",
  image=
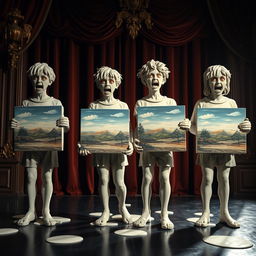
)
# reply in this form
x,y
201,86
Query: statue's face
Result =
x,y
217,84
154,80
107,86
40,83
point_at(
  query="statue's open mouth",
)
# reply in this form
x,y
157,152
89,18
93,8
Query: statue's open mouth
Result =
x,y
218,87
107,89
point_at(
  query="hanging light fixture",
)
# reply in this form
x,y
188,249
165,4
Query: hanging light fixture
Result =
x,y
134,13
16,36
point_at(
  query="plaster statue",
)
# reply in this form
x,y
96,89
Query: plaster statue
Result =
x,y
216,86
108,80
41,77
153,75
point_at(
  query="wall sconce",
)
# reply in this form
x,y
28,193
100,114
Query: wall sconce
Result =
x,y
134,12
16,36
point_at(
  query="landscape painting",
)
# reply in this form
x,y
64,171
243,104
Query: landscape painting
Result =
x,y
217,130
158,130
37,129
105,130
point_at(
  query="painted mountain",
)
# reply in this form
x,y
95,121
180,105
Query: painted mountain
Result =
x,y
37,129
105,130
158,130
217,130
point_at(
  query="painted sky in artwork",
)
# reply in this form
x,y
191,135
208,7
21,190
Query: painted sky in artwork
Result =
x,y
214,119
114,120
38,117
160,117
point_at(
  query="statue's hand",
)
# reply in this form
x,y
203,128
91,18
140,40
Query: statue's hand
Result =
x,y
82,151
14,123
245,126
185,124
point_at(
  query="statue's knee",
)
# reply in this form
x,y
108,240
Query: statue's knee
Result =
x,y
148,178
31,178
207,181
47,179
104,180
120,186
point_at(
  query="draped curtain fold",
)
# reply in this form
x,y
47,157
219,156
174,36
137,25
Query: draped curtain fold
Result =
x,y
175,23
81,36
83,21
236,24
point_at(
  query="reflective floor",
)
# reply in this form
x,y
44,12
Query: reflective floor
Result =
x,y
185,239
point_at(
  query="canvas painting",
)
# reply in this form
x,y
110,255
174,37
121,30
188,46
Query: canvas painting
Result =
x,y
105,130
158,129
217,130
38,130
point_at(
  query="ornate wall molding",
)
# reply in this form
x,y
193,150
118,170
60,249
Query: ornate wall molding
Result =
x,y
6,152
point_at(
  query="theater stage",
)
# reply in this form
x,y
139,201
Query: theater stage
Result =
x,y
185,239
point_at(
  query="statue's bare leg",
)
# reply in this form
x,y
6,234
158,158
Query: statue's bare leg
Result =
x,y
146,195
31,187
104,194
206,194
121,191
47,190
165,192
223,193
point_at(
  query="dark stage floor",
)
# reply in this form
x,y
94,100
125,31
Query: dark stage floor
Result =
x,y
185,239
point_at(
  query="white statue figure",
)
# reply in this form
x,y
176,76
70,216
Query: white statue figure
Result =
x,y
41,76
153,75
216,85
107,81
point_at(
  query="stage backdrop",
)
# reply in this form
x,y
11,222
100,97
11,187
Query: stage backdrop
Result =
x,y
81,36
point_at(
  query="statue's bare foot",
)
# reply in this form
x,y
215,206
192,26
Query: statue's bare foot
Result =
x,y
229,221
103,219
166,223
48,220
126,217
30,216
142,220
204,220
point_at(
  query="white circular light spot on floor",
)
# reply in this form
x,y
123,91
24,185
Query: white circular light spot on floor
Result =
x,y
130,232
134,217
195,219
159,212
58,219
108,224
39,222
64,239
17,217
8,231
97,214
61,220
200,214
137,216
234,242
116,217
